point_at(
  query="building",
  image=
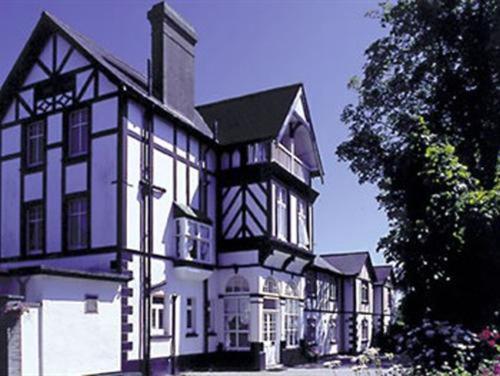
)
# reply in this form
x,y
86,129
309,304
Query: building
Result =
x,y
183,230
383,290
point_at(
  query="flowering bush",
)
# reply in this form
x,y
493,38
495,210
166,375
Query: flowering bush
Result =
x,y
439,348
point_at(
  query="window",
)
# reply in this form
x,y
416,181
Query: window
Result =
x,y
34,217
292,322
237,284
332,331
77,223
311,285
270,308
157,314
364,292
237,314
333,289
291,289
209,316
270,286
225,161
281,213
35,144
190,315
193,240
78,130
303,237
91,304
257,153
311,330
364,330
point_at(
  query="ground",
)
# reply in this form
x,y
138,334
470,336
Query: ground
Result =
x,y
308,370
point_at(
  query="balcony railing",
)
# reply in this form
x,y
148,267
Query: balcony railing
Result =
x,y
290,162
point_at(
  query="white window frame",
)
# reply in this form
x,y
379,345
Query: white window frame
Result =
x,y
282,201
35,139
303,239
191,243
78,121
79,239
34,228
237,290
158,314
292,317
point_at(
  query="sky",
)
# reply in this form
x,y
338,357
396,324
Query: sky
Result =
x,y
245,46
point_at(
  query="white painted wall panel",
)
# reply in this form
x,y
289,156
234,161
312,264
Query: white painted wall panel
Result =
x,y
10,115
76,177
163,220
54,128
181,143
33,186
11,191
135,117
103,184
30,360
133,193
75,61
194,188
105,115
164,133
36,74
11,140
181,183
105,86
81,79
54,202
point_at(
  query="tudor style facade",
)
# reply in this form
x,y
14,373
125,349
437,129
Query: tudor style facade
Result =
x,y
196,220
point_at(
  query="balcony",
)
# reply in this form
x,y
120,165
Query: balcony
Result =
x,y
290,162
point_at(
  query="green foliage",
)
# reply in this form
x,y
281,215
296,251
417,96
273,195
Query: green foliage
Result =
x,y
426,130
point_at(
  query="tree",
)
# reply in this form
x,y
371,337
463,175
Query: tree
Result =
x,y
426,130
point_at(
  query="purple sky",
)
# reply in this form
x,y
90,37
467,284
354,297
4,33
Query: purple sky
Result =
x,y
247,46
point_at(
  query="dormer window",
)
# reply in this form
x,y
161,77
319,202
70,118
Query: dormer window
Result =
x,y
193,240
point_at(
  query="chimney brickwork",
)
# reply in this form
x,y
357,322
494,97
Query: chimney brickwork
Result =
x,y
172,61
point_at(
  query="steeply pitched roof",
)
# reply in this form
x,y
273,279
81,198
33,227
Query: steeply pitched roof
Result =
x,y
350,263
322,264
383,272
251,117
119,71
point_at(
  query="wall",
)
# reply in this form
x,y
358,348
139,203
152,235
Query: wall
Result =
x,y
96,174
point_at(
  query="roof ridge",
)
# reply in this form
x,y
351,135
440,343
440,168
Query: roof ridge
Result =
x,y
242,96
345,253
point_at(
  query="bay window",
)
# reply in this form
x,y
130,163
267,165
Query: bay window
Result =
x,y
193,240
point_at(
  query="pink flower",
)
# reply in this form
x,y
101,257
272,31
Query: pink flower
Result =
x,y
485,334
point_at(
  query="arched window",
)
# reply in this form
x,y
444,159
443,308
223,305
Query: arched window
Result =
x,y
291,289
237,314
270,286
237,284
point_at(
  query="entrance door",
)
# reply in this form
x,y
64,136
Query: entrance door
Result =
x,y
269,321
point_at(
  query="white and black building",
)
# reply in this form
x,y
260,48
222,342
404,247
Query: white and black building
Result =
x,y
178,235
